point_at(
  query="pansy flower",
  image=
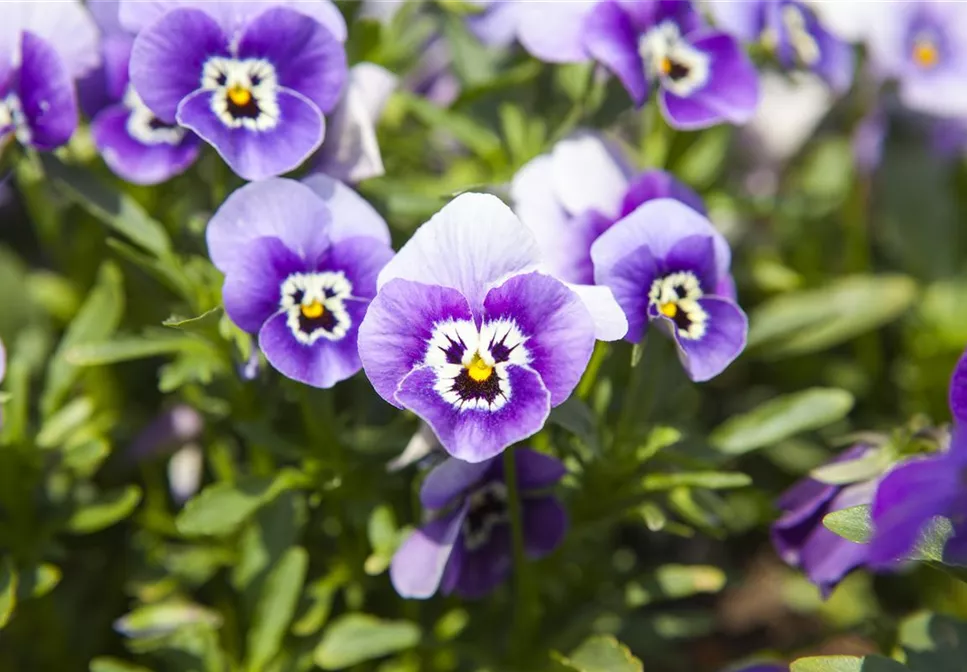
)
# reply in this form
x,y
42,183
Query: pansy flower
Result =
x,y
914,492
667,264
923,46
573,194
469,333
552,31
43,49
134,143
704,76
466,545
253,79
300,261
792,31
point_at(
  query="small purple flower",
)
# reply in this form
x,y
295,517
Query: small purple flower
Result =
x,y
466,546
253,79
665,262
802,541
923,45
135,144
916,491
552,31
791,30
575,193
42,51
704,76
300,263
171,429
469,333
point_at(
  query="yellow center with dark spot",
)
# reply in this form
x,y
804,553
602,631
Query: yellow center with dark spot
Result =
x,y
312,310
925,54
240,95
669,309
665,65
479,370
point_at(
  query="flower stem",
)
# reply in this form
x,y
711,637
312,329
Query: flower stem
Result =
x,y
520,639
590,377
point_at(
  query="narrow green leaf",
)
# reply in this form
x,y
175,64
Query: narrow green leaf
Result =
x,y
781,418
476,137
601,653
275,608
131,348
64,422
163,618
713,480
852,523
827,664
109,664
869,465
356,638
206,324
38,580
8,591
106,511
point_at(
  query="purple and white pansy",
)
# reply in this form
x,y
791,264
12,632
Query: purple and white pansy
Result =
x,y
469,332
300,261
253,79
667,264
577,191
465,547
42,52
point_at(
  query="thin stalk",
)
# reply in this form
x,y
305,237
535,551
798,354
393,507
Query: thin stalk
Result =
x,y
522,608
590,377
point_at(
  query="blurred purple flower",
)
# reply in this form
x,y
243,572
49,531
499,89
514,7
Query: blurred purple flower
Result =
x,y
42,51
434,78
134,143
914,492
792,31
801,539
467,333
253,79
704,76
466,547
171,429
948,137
665,262
576,192
923,45
300,261
868,138
552,31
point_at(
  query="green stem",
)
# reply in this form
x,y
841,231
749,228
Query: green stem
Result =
x,y
590,376
522,621
637,401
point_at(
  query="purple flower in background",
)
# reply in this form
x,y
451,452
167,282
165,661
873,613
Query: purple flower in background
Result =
x,y
300,263
466,547
665,262
923,45
253,79
552,31
135,144
469,333
914,492
43,49
801,539
704,76
575,193
791,30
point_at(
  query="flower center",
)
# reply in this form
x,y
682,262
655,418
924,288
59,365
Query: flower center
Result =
x,y
245,92
12,119
797,29
315,305
680,67
146,128
925,55
479,370
675,296
488,509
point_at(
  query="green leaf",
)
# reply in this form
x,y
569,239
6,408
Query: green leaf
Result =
x,y
152,620
703,160
601,653
109,664
814,320
275,608
869,465
713,480
132,348
781,418
852,523
114,208
934,642
355,638
384,537
8,591
846,664
38,581
64,422
476,137
672,582
206,324
105,511
576,416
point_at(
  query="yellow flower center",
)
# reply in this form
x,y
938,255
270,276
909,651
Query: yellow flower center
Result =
x,y
665,65
479,370
925,54
312,310
669,310
239,95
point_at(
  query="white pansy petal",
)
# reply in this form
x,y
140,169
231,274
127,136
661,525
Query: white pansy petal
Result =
x,y
589,174
352,215
610,323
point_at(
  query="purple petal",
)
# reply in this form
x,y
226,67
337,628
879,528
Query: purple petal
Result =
x,y
836,60
352,215
69,29
553,32
168,58
558,328
105,15
630,278
418,565
394,336
545,524
652,184
449,479
536,471
134,161
107,84
496,26
694,254
306,56
475,435
360,259
726,330
472,243
482,570
589,173
740,18
958,390
610,37
275,208
252,289
258,154
46,94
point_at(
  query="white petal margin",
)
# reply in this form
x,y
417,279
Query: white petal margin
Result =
x,y
554,31
67,26
350,152
471,244
610,323
352,215
589,172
